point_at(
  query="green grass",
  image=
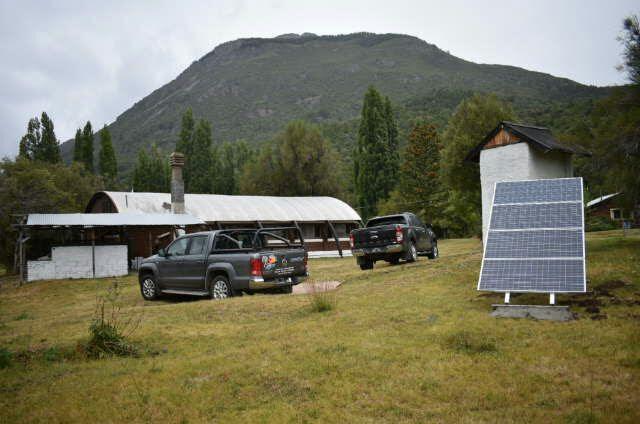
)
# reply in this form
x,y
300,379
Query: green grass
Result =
x,y
407,343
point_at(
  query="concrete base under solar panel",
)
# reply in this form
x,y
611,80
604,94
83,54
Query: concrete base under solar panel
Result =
x,y
552,313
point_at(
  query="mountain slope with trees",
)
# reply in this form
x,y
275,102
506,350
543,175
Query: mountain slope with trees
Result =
x,y
251,88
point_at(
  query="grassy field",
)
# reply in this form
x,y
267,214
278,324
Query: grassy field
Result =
x,y
407,343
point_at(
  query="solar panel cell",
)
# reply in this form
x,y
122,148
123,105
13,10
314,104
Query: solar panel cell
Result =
x,y
533,275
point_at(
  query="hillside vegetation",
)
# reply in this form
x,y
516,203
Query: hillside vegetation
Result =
x,y
250,88
407,343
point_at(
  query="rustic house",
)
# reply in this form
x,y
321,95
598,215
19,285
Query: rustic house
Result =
x,y
608,207
519,152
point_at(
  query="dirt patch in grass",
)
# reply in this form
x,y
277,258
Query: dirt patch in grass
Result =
x,y
607,287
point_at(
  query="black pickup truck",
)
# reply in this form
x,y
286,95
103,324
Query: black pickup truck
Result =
x,y
391,238
225,263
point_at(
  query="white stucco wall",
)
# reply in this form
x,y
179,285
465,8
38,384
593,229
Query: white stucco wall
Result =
x,y
76,262
513,162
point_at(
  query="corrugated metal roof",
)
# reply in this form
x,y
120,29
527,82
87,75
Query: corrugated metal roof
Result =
x,y
601,199
227,208
109,219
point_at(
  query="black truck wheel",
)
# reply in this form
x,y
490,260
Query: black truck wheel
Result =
x,y
393,260
434,251
366,264
412,253
149,288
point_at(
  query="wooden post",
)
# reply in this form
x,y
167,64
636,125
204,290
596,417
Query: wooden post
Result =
x,y
335,237
93,252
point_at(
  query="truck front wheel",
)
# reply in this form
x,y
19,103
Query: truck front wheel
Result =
x,y
366,264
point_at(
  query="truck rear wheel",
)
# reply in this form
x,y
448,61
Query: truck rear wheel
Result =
x,y
219,288
434,251
412,253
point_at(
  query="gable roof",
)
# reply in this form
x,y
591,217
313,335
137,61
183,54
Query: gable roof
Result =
x,y
231,208
539,137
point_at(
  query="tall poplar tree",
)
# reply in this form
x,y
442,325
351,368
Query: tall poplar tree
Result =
x,y
376,153
87,147
49,149
185,143
30,142
151,171
77,146
200,160
107,164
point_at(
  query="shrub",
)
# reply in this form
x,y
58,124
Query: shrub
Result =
x,y
108,331
5,358
600,223
321,300
467,342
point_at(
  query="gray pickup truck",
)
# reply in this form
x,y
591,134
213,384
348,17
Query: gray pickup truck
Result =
x,y
225,263
391,238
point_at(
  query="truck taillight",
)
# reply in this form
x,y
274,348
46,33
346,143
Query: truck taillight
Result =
x,y
256,266
399,235
351,243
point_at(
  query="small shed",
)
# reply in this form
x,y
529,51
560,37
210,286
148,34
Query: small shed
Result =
x,y
519,152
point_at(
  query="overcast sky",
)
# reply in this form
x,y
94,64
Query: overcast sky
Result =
x,y
82,61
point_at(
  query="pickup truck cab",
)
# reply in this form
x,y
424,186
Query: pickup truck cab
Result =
x,y
391,238
225,263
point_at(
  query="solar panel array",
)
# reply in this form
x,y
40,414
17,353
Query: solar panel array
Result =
x,y
535,240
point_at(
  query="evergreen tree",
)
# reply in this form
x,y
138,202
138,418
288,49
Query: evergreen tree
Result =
x,y
376,153
49,148
200,161
87,147
470,123
419,189
107,164
77,146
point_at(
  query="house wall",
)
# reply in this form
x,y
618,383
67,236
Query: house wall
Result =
x,y
76,262
514,162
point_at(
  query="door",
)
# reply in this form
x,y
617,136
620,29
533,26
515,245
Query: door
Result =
x,y
422,236
170,266
193,264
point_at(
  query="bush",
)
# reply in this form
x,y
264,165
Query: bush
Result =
x,y
467,342
5,358
109,332
321,300
600,223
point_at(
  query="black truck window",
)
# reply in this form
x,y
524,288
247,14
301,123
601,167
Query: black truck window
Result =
x,y
387,220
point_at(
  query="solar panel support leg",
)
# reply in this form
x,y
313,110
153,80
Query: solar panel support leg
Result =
x,y
552,298
507,295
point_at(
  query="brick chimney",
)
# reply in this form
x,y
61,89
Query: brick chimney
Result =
x,y
176,160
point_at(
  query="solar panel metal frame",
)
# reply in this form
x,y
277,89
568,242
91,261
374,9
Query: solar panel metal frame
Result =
x,y
581,229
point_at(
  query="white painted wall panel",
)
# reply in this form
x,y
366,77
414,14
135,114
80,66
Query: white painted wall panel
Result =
x,y
76,262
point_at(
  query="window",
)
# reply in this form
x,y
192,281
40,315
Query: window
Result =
x,y
178,247
616,214
387,220
197,245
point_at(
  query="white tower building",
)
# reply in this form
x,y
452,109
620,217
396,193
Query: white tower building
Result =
x,y
518,152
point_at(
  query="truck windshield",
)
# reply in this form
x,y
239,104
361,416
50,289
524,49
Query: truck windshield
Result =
x,y
387,220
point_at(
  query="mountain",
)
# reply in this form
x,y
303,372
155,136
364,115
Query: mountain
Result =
x,y
250,88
